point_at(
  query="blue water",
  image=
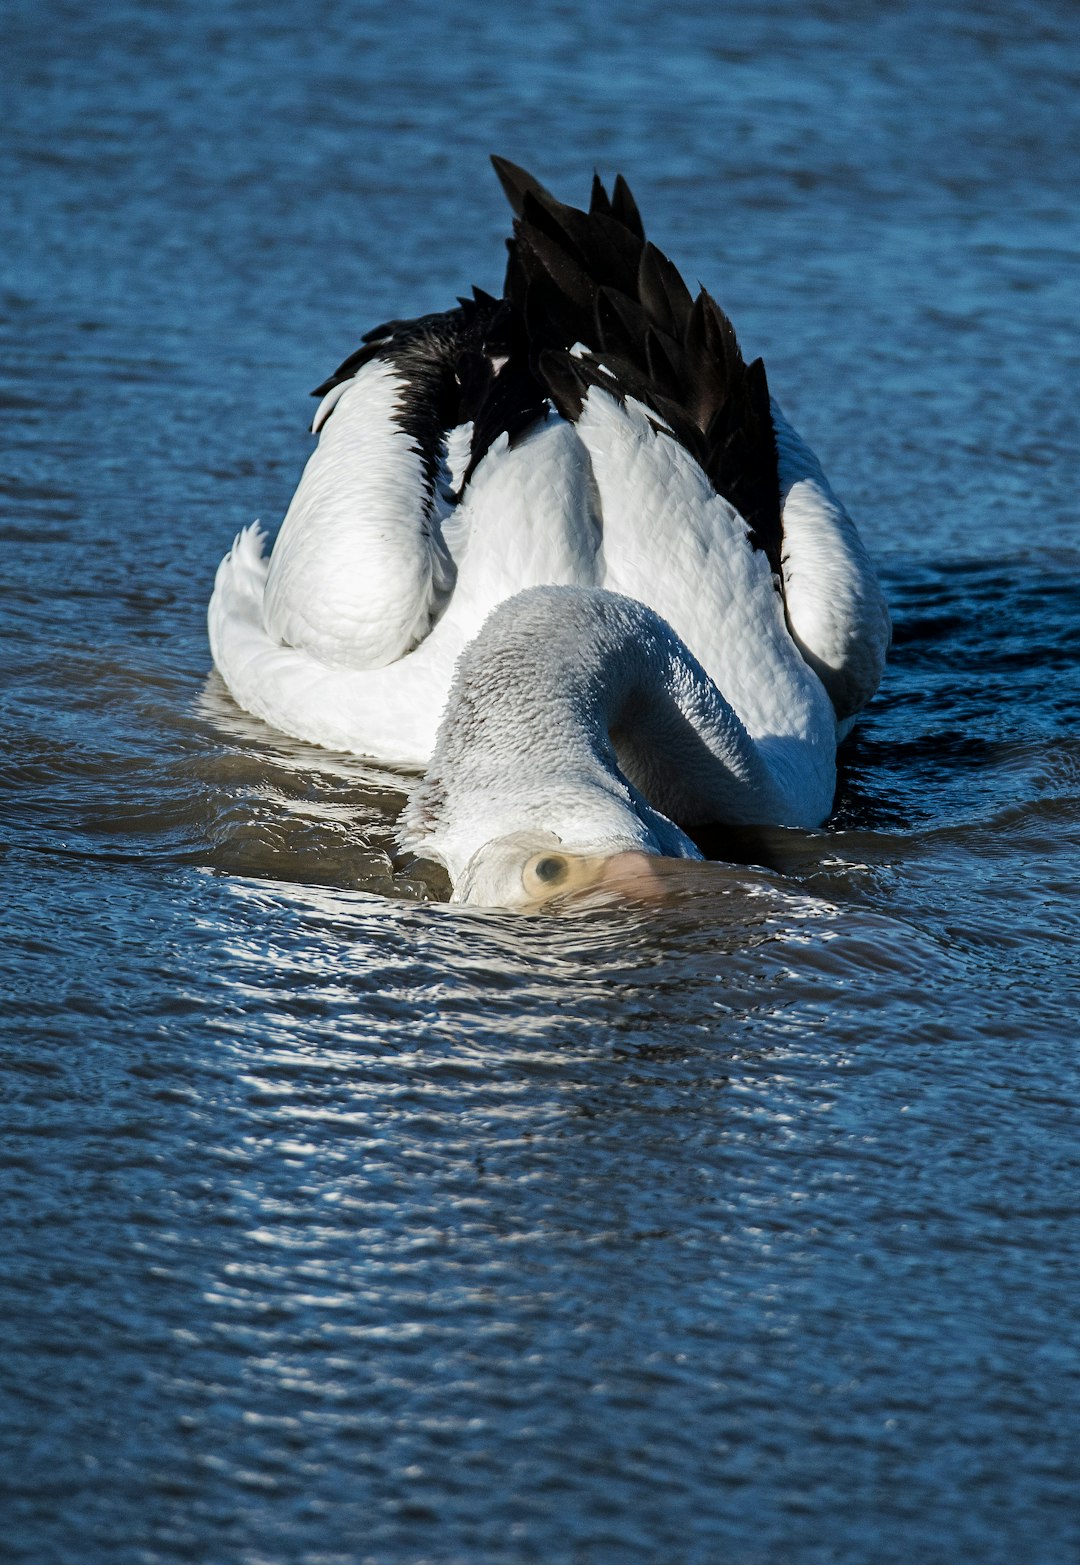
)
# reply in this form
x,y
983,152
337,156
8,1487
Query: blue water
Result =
x,y
338,1225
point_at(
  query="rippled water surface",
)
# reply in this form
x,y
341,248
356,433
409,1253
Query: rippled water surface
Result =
x,y
341,1226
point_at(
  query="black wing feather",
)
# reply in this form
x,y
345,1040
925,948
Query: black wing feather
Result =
x,y
592,278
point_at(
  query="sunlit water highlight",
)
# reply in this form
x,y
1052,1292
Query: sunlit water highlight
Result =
x,y
340,1225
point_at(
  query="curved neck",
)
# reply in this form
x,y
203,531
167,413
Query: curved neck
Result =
x,y
582,712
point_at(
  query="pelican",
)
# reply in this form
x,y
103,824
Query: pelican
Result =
x,y
563,550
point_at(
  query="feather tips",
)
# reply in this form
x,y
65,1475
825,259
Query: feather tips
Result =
x,y
592,280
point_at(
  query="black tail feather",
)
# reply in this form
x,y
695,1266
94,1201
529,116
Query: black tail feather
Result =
x,y
663,294
599,200
566,385
624,207
516,182
663,373
621,326
592,278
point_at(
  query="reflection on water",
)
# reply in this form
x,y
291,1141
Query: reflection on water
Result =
x,y
341,1224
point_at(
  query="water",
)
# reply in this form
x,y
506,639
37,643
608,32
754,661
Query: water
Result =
x,y
341,1226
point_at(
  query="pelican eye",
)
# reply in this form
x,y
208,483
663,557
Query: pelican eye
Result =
x,y
551,874
551,869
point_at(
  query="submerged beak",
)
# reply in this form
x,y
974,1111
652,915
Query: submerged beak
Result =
x,y
552,876
637,876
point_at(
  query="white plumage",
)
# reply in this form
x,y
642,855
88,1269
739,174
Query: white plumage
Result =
x,y
359,564
445,482
526,519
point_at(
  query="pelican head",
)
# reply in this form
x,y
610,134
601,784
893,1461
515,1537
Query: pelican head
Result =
x,y
529,870
577,726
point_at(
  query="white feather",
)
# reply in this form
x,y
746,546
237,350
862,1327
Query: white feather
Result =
x,y
835,606
351,580
527,519
671,542
672,683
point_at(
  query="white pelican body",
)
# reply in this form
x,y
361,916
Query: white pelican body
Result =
x,y
428,503
390,711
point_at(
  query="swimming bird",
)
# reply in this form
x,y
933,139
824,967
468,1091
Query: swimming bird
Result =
x,y
597,430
